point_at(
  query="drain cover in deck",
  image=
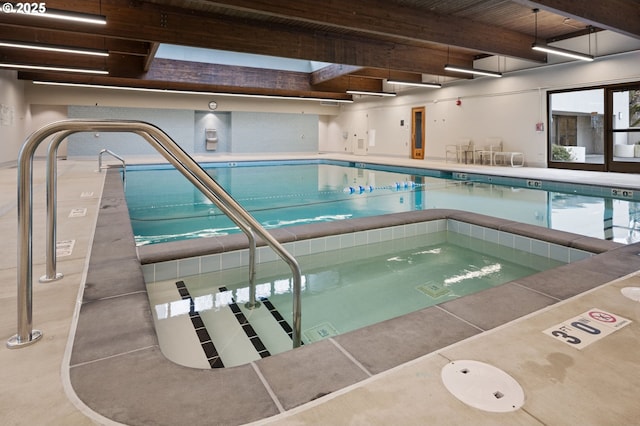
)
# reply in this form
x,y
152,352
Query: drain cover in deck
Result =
x,y
482,386
632,293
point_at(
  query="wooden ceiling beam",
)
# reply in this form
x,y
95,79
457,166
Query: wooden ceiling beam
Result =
x,y
117,65
70,39
234,78
620,16
331,72
176,85
152,23
19,56
378,18
350,82
381,73
227,75
151,56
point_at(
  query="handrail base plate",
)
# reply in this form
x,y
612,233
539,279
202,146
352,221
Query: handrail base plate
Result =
x,y
14,342
46,279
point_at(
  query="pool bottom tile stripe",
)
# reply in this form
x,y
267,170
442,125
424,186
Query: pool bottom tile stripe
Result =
x,y
248,330
207,345
274,312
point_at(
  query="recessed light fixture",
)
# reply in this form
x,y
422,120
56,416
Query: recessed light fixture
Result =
x,y
415,83
367,93
476,71
52,68
52,48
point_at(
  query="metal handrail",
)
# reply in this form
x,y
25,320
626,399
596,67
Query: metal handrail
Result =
x,y
52,174
52,155
117,157
228,211
172,152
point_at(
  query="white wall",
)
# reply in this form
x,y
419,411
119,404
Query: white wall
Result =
x,y
507,107
42,115
14,117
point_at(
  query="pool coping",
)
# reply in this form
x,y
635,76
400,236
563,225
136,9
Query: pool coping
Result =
x,y
165,252
116,346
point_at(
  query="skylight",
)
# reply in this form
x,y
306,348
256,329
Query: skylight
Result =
x,y
223,57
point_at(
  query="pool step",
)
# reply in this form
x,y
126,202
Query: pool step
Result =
x,y
235,335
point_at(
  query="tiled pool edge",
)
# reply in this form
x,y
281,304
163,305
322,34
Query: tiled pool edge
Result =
x,y
211,262
209,255
139,386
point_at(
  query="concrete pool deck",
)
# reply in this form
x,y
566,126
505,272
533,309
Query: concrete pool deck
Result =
x,y
551,372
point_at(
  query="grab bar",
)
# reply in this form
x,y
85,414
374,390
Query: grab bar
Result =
x,y
117,157
172,152
52,174
228,211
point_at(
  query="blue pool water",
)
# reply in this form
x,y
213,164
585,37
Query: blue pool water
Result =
x,y
164,206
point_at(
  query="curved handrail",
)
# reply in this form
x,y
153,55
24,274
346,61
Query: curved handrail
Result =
x,y
117,157
111,153
228,212
172,152
52,175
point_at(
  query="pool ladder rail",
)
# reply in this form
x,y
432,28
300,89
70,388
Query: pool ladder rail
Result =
x,y
117,157
175,155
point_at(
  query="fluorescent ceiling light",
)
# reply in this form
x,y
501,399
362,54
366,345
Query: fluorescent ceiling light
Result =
x,y
416,84
188,92
362,92
52,48
289,98
561,52
71,16
456,68
51,68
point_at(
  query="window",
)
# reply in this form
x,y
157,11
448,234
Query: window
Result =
x,y
577,126
595,128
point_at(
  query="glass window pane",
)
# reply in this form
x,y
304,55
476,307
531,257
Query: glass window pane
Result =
x,y
626,115
577,126
626,109
626,146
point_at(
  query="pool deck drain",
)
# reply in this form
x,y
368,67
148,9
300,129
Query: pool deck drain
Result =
x,y
482,386
320,331
433,290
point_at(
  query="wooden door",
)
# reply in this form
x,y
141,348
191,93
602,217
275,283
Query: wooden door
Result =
x,y
417,132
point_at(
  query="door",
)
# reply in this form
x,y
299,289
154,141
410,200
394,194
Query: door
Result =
x,y
417,132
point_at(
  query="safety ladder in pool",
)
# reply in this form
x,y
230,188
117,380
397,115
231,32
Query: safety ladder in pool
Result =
x,y
172,152
117,157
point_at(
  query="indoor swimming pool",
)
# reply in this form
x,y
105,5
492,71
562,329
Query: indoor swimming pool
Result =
x,y
164,207
202,321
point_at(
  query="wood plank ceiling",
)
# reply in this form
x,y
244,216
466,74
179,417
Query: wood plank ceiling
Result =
x,y
367,41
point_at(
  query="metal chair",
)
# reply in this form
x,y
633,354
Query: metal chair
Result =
x,y
493,145
457,150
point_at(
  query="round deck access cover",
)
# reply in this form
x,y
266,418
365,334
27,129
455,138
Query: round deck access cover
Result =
x,y
632,293
482,386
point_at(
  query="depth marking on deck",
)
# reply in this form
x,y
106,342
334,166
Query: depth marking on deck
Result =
x,y
65,247
78,212
86,194
587,328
